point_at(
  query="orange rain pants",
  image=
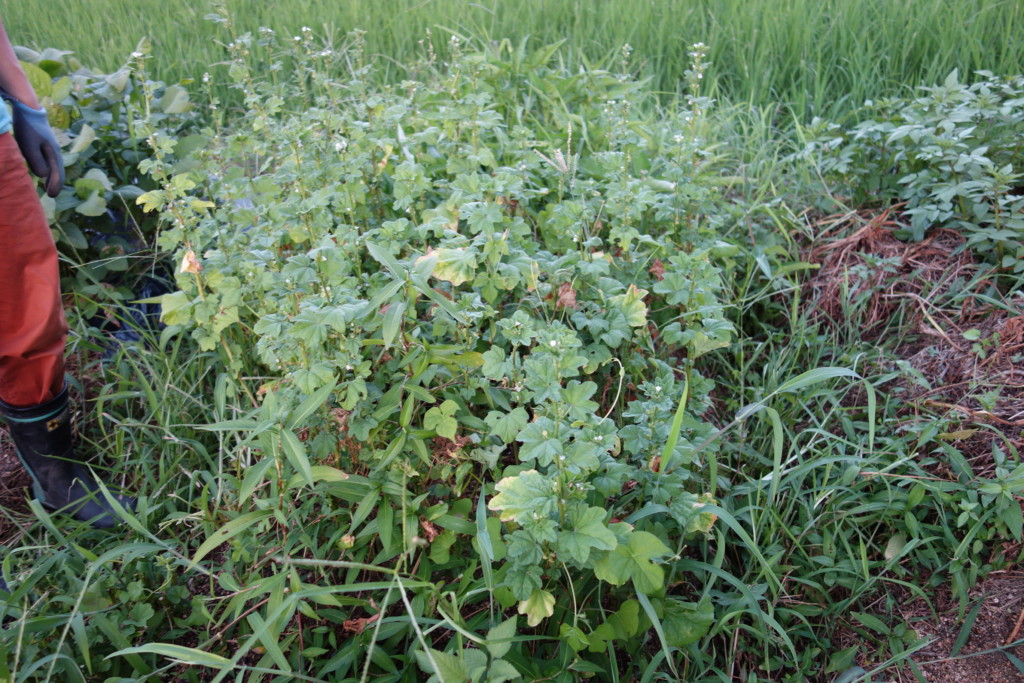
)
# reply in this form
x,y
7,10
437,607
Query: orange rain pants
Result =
x,y
32,324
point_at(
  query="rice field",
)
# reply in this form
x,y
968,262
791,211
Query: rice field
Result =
x,y
819,57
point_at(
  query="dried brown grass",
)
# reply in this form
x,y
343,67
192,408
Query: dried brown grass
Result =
x,y
924,302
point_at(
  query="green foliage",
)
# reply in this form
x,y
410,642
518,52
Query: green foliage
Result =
x,y
95,221
489,375
952,156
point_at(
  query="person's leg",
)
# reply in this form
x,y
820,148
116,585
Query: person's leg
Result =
x,y
33,397
32,325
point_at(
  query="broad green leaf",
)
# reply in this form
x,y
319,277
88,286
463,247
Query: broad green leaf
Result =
x,y
440,547
95,205
40,81
523,581
540,442
621,625
577,396
686,622
84,139
572,635
501,671
633,561
588,531
439,419
507,425
445,668
526,494
495,366
538,607
499,638
175,308
175,100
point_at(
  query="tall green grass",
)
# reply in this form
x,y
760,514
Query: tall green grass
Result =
x,y
817,56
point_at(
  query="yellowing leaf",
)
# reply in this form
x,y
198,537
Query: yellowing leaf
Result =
x,y
538,607
454,265
632,306
84,139
150,201
527,493
189,263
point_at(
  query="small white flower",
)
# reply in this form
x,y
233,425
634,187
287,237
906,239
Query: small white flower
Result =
x,y
553,343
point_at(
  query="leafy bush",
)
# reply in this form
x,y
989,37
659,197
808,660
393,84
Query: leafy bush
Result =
x,y
96,223
953,156
506,315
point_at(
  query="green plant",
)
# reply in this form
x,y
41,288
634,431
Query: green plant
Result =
x,y
950,156
96,223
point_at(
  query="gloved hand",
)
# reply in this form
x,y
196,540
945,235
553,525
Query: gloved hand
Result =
x,y
38,145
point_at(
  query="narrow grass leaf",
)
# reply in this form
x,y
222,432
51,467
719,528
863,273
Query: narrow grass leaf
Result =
x,y
310,405
269,634
965,630
656,623
82,639
733,524
812,377
392,322
676,427
253,478
179,653
1019,665
778,434
226,533
383,257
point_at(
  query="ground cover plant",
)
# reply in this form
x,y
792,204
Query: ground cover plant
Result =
x,y
511,371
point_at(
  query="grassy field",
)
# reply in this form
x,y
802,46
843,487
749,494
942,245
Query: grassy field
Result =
x,y
816,56
544,365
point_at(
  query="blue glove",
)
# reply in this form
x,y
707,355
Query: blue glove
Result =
x,y
38,146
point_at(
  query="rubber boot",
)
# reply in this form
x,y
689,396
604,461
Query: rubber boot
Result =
x,y
42,437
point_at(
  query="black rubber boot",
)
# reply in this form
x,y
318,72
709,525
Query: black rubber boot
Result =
x,y
42,437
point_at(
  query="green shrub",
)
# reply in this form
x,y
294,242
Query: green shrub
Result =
x,y
507,315
953,156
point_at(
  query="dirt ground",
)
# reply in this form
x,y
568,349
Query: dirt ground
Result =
x,y
982,658
14,489
968,352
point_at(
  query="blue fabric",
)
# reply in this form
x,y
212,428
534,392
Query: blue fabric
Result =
x,y
5,118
